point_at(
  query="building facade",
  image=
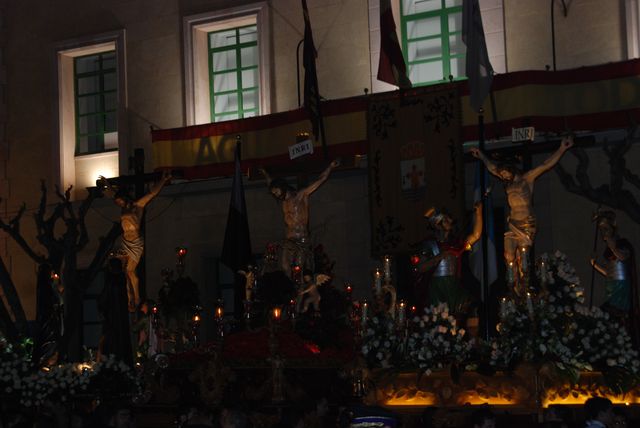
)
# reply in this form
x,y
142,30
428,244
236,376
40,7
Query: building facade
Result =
x,y
82,83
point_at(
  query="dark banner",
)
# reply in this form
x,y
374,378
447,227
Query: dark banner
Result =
x,y
415,162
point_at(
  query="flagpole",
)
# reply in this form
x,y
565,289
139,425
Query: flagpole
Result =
x,y
298,70
323,136
593,265
484,287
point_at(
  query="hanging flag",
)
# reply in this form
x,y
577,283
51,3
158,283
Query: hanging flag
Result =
x,y
391,67
478,68
236,250
311,93
476,260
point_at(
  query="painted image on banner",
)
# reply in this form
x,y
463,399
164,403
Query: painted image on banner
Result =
x,y
412,170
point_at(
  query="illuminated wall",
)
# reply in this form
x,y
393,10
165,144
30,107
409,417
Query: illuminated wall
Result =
x,y
155,92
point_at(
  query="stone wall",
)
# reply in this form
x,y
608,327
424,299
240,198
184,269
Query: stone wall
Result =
x,y
194,214
593,32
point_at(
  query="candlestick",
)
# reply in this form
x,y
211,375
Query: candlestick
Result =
x,y
181,254
365,312
529,304
348,289
387,269
503,308
195,325
511,277
247,313
401,312
378,281
543,273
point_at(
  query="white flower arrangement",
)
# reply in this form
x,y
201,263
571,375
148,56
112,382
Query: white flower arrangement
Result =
x,y
556,327
427,343
381,343
436,340
63,382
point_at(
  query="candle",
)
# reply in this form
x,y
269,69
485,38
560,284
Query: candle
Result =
x,y
413,310
276,313
503,307
529,304
524,262
196,319
510,274
387,269
348,289
543,273
219,310
365,310
378,281
401,311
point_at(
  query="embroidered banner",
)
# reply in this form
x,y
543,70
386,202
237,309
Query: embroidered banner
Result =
x,y
415,162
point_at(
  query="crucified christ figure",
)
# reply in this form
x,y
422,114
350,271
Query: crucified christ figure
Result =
x,y
295,209
521,226
132,240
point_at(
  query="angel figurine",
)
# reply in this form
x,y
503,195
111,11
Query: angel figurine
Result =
x,y
311,289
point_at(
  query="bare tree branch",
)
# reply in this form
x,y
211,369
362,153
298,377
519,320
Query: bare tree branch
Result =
x,y
13,229
614,194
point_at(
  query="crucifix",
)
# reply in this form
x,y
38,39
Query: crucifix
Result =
x,y
132,220
521,224
296,247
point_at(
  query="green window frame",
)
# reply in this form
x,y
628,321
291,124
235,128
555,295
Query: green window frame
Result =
x,y
437,30
95,80
234,73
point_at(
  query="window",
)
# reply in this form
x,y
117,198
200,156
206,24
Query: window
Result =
x,y
91,109
433,55
227,64
432,40
96,100
233,67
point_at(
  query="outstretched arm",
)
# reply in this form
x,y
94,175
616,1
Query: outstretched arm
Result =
x,y
476,233
566,144
597,267
323,177
143,201
491,166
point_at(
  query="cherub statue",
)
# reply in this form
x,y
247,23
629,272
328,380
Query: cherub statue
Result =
x,y
310,288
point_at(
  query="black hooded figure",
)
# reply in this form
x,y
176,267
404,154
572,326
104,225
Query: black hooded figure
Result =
x,y
113,304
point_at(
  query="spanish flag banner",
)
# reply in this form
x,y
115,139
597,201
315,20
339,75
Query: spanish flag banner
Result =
x,y
203,151
589,98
